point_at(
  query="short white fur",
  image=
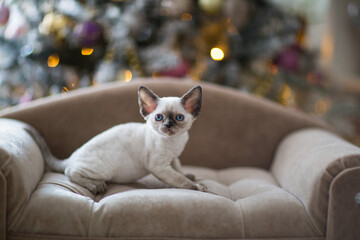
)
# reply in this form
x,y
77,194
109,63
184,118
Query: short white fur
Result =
x,y
128,152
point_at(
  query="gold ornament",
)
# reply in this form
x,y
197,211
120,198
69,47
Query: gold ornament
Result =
x,y
210,6
55,24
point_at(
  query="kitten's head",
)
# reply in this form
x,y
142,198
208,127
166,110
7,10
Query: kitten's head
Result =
x,y
170,116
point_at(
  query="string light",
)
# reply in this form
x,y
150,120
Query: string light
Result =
x,y
272,68
217,54
65,89
128,76
87,51
322,106
186,17
286,95
53,60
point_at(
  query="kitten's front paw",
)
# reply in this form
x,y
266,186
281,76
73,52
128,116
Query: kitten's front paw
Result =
x,y
200,187
97,186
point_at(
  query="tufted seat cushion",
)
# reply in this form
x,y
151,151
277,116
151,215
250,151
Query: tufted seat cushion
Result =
x,y
272,173
245,203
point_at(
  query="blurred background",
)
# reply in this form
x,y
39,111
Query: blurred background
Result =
x,y
303,54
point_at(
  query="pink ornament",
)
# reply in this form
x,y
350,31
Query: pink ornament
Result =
x,y
89,33
289,59
4,14
178,71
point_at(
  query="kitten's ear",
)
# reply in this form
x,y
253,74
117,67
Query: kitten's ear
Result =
x,y
191,101
147,101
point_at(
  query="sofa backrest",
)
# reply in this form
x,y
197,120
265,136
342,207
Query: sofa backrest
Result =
x,y
233,128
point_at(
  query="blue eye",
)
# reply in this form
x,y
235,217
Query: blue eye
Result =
x,y
158,117
179,117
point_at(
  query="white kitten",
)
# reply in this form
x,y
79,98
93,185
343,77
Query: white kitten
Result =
x,y
128,152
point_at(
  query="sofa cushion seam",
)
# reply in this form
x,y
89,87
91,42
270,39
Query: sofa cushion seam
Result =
x,y
242,217
313,225
22,207
90,218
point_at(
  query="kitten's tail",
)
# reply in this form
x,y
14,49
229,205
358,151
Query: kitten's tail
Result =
x,y
51,161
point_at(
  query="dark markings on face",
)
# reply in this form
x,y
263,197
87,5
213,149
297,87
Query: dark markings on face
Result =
x,y
170,121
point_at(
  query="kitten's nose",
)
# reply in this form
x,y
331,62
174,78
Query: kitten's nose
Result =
x,y
169,123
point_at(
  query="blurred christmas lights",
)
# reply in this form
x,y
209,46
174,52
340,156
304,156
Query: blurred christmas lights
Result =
x,y
87,51
53,60
186,17
255,50
128,76
217,54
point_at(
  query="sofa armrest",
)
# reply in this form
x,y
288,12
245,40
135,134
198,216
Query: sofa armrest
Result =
x,y
344,206
21,167
308,164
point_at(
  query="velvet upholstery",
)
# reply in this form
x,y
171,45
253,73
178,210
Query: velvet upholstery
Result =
x,y
303,168
271,172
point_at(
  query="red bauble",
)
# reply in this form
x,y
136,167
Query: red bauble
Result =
x,y
4,14
179,71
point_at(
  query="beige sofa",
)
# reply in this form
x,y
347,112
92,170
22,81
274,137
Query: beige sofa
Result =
x,y
274,173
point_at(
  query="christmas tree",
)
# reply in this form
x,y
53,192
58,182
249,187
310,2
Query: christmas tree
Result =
x,y
48,47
